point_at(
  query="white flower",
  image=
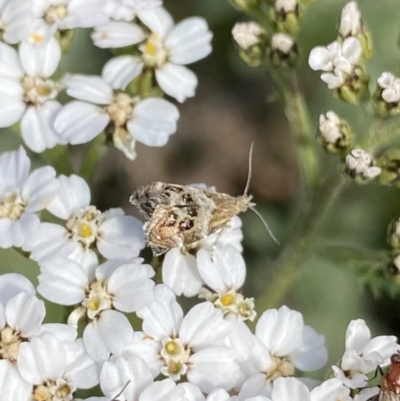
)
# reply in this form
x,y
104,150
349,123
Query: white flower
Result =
x,y
166,49
86,230
69,14
391,87
21,196
194,345
120,285
179,269
150,121
135,376
330,127
282,42
338,60
282,344
56,368
27,93
128,9
16,16
363,354
246,34
359,163
21,317
286,5
224,271
117,286
350,20
290,389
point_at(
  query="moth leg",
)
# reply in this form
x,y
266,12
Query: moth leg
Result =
x,y
214,246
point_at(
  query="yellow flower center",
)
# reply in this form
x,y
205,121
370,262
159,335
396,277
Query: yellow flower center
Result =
x,y
227,299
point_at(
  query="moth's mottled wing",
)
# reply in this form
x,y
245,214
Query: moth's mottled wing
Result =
x,y
385,396
174,226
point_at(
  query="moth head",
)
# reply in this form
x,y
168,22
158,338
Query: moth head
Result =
x,y
144,201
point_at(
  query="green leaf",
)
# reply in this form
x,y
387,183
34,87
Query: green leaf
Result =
x,y
374,268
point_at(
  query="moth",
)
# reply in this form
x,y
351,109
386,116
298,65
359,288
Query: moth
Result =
x,y
180,215
390,387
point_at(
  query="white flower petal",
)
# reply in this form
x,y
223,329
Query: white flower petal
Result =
x,y
177,81
180,273
10,66
37,60
133,371
37,128
320,59
311,354
40,188
119,71
116,34
158,20
13,386
11,284
114,329
254,385
22,230
204,324
331,390
280,330
132,287
189,41
49,241
12,107
14,169
213,367
163,317
121,238
357,335
80,122
73,194
89,88
25,313
153,121
63,281
42,359
289,389
352,50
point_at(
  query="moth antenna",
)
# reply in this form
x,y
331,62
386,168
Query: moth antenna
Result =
x,y
123,388
265,224
246,189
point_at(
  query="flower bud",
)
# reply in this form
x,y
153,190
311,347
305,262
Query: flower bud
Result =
x,y
393,236
287,16
351,24
251,41
390,165
334,134
343,72
387,95
282,51
360,166
246,5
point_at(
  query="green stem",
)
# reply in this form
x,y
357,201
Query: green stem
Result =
x,y
383,132
92,158
289,263
299,120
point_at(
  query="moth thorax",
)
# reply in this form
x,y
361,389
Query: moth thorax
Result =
x,y
244,202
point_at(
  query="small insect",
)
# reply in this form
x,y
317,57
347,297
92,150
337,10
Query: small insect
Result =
x,y
179,215
390,387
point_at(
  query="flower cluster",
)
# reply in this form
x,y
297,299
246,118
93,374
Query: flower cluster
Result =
x,y
125,335
278,49
342,62
126,101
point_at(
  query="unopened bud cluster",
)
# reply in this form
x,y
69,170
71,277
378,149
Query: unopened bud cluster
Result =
x,y
277,48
